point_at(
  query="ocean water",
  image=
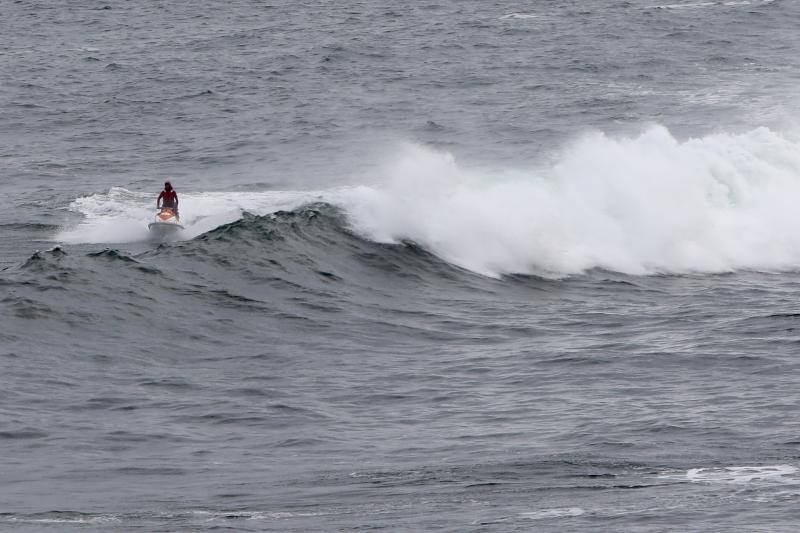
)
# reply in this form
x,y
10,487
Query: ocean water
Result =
x,y
452,265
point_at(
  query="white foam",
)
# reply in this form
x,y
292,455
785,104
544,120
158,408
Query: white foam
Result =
x,y
121,216
738,475
563,512
519,16
686,6
256,515
100,519
640,205
728,3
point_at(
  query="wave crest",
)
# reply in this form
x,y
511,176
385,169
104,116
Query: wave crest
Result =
x,y
641,205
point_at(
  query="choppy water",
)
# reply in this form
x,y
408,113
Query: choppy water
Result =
x,y
468,266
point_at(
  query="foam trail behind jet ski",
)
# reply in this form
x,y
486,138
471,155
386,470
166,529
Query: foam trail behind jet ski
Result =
x,y
122,216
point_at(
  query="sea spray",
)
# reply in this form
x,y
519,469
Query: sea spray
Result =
x,y
121,216
639,205
642,205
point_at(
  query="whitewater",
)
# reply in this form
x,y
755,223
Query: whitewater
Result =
x,y
649,204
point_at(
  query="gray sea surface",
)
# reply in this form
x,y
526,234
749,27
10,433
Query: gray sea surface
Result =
x,y
452,265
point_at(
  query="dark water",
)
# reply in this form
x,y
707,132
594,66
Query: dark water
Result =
x,y
463,266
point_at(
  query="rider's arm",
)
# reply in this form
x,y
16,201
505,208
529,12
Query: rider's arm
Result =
x,y
158,200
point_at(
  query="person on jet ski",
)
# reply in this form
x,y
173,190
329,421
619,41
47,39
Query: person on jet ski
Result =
x,y
170,198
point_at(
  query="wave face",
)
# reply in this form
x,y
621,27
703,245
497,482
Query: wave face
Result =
x,y
306,264
641,205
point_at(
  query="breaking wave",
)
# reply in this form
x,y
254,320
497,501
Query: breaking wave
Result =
x,y
641,205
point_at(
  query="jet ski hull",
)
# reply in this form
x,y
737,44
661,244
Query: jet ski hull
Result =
x,y
164,227
165,224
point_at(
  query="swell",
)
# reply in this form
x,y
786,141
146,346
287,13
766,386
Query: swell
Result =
x,y
316,238
303,269
308,250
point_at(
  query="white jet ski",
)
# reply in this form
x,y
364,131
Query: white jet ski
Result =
x,y
166,223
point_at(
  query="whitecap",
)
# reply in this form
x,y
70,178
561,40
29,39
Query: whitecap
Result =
x,y
561,512
640,205
121,215
519,16
698,5
772,474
